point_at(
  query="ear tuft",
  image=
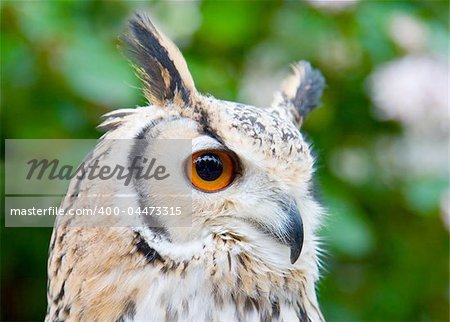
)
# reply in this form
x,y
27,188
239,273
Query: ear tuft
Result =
x,y
300,92
159,64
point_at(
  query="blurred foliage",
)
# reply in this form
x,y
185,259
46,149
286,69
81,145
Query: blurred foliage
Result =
x,y
386,245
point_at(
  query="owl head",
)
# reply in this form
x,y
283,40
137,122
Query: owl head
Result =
x,y
248,170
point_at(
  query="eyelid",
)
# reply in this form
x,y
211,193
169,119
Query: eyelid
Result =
x,y
205,142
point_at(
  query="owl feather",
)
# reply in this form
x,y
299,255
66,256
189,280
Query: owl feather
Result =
x,y
249,251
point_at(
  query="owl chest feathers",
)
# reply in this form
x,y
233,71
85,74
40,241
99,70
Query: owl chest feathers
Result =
x,y
213,280
219,280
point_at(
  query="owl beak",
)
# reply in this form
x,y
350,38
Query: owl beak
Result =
x,y
294,232
290,229
291,232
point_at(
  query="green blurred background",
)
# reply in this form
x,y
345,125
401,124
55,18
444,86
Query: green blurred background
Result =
x,y
381,136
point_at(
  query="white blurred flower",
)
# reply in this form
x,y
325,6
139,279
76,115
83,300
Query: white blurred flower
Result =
x,y
414,91
351,164
339,54
179,20
332,5
412,156
263,75
408,32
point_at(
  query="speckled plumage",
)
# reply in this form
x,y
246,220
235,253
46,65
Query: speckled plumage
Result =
x,y
238,260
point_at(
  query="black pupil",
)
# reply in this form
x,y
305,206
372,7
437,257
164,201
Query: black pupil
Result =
x,y
209,166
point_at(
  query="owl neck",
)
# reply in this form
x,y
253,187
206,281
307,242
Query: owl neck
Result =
x,y
240,271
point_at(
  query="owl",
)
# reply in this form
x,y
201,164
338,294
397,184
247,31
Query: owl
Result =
x,y
246,251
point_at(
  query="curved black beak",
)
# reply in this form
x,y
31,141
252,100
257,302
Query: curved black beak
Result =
x,y
291,231
294,229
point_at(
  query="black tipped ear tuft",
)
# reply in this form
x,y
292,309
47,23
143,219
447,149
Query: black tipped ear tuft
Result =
x,y
159,64
300,92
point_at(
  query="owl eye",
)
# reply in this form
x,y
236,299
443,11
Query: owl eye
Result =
x,y
212,170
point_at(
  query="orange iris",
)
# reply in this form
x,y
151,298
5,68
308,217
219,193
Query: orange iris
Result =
x,y
212,170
